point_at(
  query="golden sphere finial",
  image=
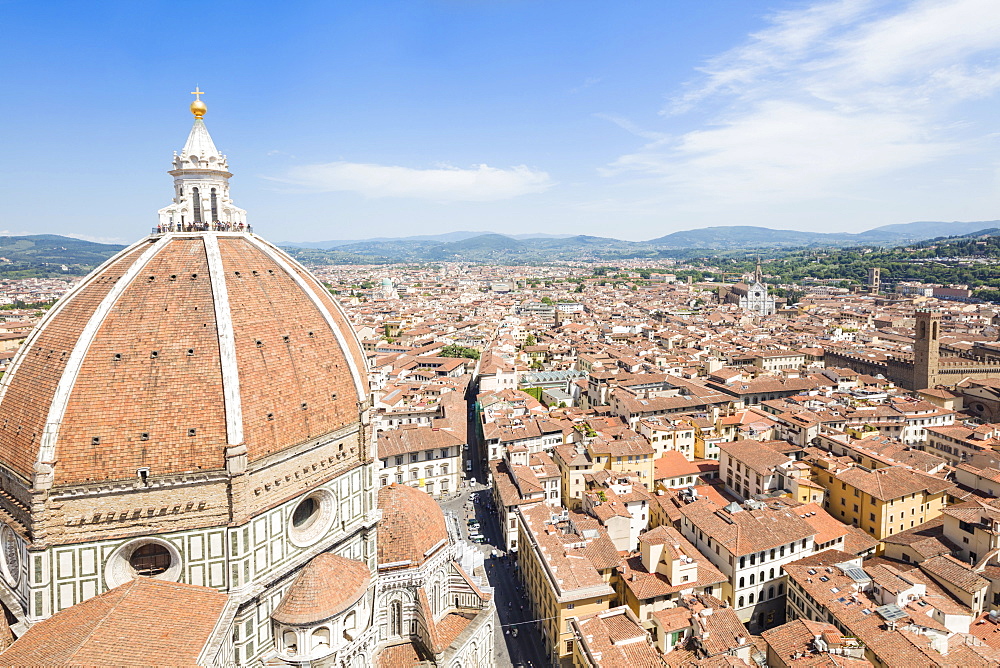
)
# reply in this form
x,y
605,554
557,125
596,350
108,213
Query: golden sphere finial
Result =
x,y
198,108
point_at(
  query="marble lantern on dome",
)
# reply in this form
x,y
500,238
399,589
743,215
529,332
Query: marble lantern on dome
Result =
x,y
201,182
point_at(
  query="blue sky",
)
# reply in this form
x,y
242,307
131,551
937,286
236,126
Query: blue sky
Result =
x,y
629,119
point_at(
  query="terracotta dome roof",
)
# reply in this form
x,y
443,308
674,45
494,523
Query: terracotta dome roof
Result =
x,y
328,585
412,525
178,346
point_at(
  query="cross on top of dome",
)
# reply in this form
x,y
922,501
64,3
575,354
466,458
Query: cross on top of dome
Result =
x,y
198,108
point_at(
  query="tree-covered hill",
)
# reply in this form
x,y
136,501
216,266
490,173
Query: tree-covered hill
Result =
x,y
47,255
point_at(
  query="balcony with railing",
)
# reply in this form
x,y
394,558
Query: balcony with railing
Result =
x,y
215,226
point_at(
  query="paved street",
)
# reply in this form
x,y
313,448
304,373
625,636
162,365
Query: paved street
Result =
x,y
518,639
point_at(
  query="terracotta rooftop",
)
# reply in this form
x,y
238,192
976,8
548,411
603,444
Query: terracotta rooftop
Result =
x,y
129,363
412,526
141,622
326,586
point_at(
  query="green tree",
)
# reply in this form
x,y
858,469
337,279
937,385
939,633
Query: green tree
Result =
x,y
455,350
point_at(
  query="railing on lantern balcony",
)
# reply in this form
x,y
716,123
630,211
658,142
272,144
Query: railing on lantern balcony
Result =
x,y
215,226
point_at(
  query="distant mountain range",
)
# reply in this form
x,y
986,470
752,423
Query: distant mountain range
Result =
x,y
705,237
47,254
763,237
518,249
447,236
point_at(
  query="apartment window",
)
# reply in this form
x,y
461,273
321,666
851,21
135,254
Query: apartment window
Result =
x,y
871,516
414,457
781,551
772,553
742,583
743,562
399,477
399,461
751,581
855,507
444,452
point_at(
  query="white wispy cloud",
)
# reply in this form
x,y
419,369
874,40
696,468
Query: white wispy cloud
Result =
x,y
826,97
481,183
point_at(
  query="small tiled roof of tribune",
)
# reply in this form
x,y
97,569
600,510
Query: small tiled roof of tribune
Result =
x,y
412,526
141,622
326,586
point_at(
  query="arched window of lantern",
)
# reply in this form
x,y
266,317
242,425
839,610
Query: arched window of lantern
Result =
x,y
196,202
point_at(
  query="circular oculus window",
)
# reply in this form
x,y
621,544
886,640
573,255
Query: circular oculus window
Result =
x,y
143,558
11,554
312,518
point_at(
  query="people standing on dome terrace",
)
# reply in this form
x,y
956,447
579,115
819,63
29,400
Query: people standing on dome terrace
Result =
x,y
214,226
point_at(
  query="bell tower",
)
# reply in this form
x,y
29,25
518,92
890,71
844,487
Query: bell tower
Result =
x,y
201,181
926,349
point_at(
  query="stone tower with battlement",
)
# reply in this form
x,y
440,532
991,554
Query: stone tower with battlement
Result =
x,y
926,349
874,280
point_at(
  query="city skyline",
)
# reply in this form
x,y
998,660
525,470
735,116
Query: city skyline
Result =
x,y
424,118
